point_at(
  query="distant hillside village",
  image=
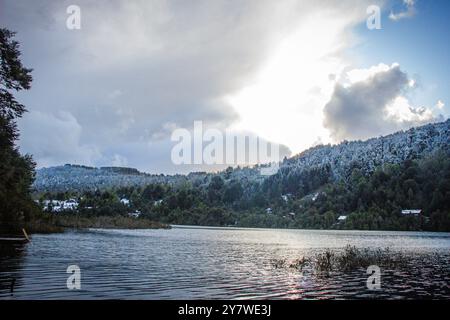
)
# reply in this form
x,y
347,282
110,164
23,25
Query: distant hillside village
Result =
x,y
76,206
71,206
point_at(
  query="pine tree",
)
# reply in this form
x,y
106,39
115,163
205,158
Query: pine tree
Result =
x,y
16,171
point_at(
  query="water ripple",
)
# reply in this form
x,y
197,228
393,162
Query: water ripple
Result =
x,y
210,263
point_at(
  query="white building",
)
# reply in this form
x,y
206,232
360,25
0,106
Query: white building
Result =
x,y
411,212
70,204
314,197
135,214
60,205
342,218
125,201
269,210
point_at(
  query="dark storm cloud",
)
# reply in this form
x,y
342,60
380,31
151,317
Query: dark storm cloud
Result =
x,y
112,86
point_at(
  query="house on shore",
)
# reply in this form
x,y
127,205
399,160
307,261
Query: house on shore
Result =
x,y
135,214
60,205
125,201
411,212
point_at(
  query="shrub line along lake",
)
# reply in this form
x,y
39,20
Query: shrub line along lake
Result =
x,y
189,262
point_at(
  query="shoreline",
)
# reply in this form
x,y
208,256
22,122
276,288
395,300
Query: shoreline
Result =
x,y
182,226
108,222
59,224
62,223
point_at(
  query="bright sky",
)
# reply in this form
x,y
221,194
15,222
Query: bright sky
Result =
x,y
284,102
286,99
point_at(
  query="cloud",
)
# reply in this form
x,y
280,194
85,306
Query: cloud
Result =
x,y
165,131
285,100
372,102
55,139
408,12
119,161
135,67
138,69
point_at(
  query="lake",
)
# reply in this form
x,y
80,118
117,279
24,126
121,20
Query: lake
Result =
x,y
219,263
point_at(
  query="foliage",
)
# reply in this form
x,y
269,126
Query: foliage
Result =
x,y
370,201
349,259
16,171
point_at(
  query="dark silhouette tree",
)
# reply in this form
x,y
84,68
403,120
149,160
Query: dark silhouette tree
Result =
x,y
16,171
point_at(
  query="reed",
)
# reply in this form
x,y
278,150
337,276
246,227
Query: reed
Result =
x,y
349,259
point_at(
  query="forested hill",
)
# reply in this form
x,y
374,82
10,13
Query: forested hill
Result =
x,y
338,160
394,148
72,177
369,183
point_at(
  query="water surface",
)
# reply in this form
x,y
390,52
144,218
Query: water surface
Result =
x,y
216,263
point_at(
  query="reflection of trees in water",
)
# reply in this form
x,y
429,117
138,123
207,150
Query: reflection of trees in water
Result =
x,y
11,259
